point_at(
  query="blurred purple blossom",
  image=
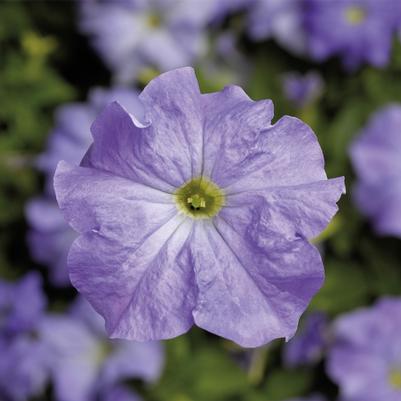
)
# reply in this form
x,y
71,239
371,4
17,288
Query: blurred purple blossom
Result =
x,y
50,237
22,304
86,364
24,367
23,358
363,33
308,344
365,359
154,268
281,20
302,90
375,155
131,36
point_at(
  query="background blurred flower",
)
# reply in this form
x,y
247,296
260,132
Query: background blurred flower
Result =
x,y
135,35
159,250
302,90
376,158
24,360
22,304
86,364
365,359
308,344
50,237
363,33
24,368
281,20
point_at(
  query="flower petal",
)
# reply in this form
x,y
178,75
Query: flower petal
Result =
x,y
286,153
144,292
304,209
166,151
114,207
233,125
128,260
173,103
253,285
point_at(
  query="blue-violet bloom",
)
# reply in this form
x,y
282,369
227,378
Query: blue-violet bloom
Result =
x,y
365,359
133,35
359,31
24,359
199,214
281,20
308,344
22,304
376,158
86,364
302,90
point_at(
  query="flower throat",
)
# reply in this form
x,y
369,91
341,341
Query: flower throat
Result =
x,y
199,198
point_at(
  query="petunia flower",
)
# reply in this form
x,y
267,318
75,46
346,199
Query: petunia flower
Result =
x,y
24,368
363,34
50,237
281,20
308,345
23,357
86,364
22,304
375,155
134,35
365,360
302,90
200,214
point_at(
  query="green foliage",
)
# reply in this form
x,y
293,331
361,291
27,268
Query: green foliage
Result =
x,y
198,373
345,282
30,89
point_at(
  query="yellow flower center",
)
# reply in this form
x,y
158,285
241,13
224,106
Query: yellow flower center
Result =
x,y
355,15
154,20
395,379
199,198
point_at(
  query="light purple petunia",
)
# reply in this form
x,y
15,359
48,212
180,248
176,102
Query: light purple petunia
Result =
x,y
134,35
281,20
86,364
50,236
365,360
376,158
364,30
22,304
308,344
201,215
302,90
23,357
24,368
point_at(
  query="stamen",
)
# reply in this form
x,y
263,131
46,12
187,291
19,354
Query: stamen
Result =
x,y
200,198
355,15
395,379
